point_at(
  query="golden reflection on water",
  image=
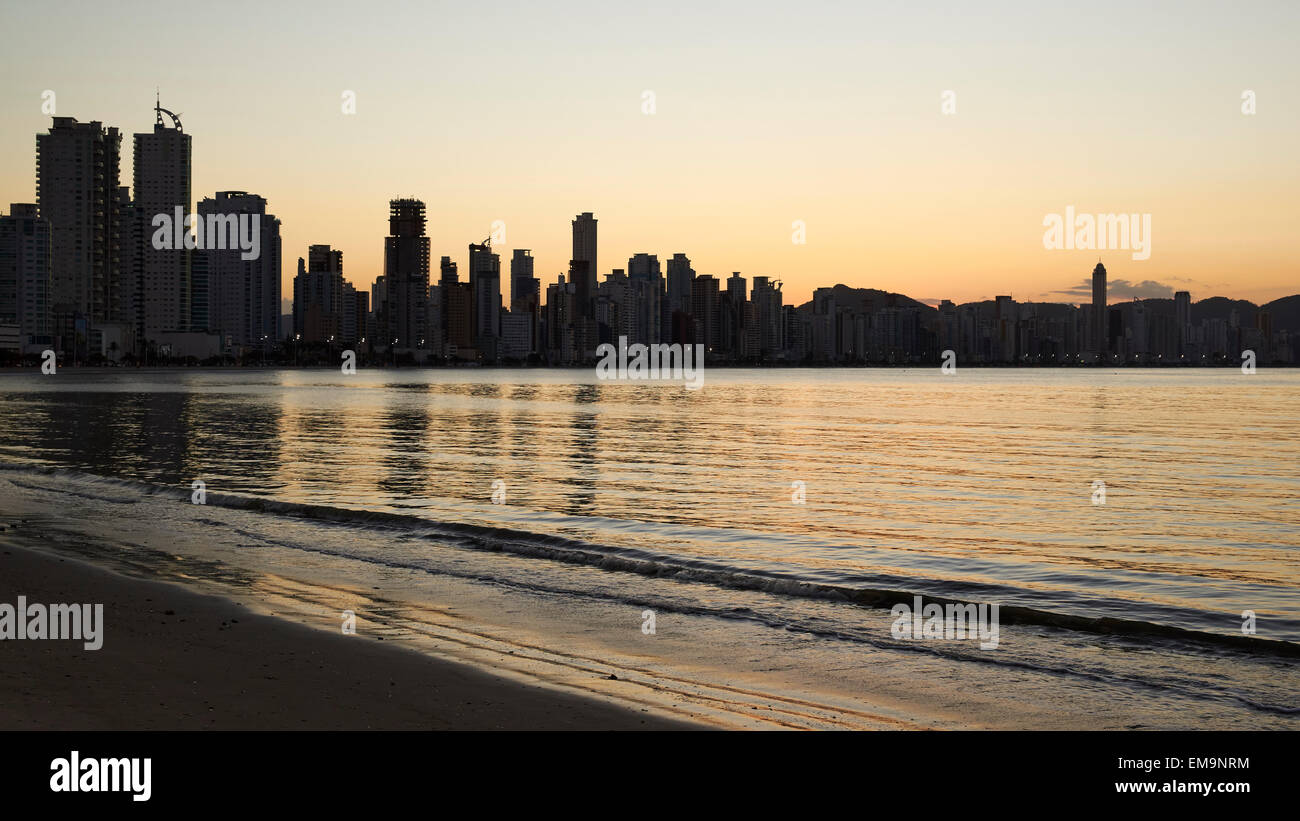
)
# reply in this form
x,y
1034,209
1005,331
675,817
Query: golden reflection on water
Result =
x,y
985,478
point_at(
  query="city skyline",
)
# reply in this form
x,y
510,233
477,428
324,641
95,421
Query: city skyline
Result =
x,y
105,301
891,190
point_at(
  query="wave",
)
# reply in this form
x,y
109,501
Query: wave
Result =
x,y
491,538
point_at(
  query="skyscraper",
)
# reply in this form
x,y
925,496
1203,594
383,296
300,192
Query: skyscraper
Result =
x,y
377,324
130,308
457,309
1099,320
680,275
1183,320
198,320
525,294
704,306
162,185
584,250
1005,315
485,285
766,297
77,171
677,305
643,266
243,296
645,298
352,320
558,323
25,274
318,295
406,268
1136,342
732,310
524,287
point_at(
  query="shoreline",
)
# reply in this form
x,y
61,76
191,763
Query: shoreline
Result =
x,y
176,659
539,629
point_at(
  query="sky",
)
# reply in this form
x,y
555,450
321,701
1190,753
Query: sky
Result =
x,y
766,116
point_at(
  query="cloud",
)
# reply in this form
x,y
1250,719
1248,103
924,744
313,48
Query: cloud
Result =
x,y
1146,289
1123,289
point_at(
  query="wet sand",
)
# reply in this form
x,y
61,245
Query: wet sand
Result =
x,y
178,660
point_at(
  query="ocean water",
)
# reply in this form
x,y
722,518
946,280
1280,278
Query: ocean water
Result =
x,y
1124,521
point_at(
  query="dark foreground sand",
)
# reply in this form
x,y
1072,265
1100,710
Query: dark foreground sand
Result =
x,y
177,660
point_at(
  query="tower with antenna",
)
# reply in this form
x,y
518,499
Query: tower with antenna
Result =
x,y
160,111
165,298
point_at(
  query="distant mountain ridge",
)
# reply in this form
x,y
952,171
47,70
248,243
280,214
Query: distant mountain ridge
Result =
x,y
1284,313
860,298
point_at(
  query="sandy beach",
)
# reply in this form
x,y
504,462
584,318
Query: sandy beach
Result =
x,y
177,660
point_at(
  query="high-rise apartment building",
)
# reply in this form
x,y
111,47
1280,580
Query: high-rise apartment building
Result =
x,y
406,269
704,306
25,275
1099,314
485,286
318,296
161,187
77,171
766,296
524,287
525,294
243,295
680,277
584,250
646,289
1183,320
457,309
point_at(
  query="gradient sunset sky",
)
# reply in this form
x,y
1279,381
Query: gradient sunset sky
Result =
x,y
766,113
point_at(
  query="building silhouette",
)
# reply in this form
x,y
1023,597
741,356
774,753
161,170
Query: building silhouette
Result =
x,y
457,312
406,271
584,251
1100,335
485,288
525,300
161,187
77,172
705,308
242,295
677,302
318,296
25,279
644,306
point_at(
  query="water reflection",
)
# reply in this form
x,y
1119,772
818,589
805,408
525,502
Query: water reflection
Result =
x,y
985,479
406,427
